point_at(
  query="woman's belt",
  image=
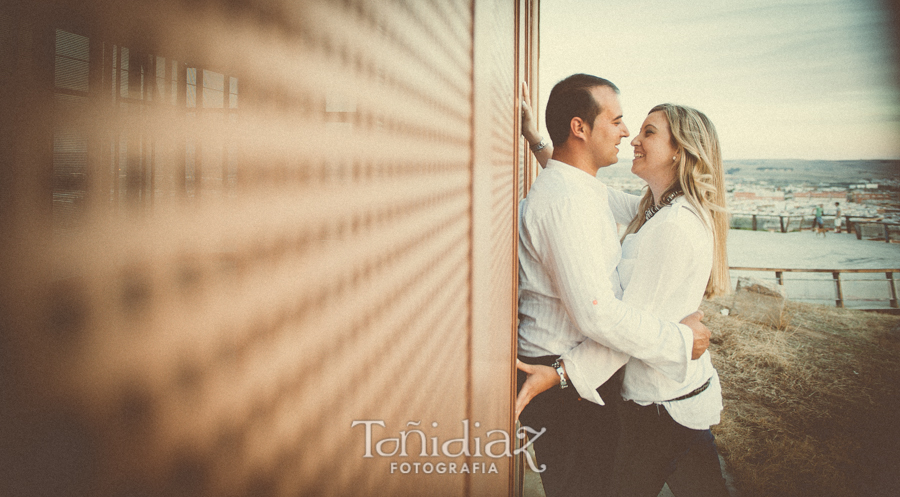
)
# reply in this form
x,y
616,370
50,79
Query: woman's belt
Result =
x,y
693,393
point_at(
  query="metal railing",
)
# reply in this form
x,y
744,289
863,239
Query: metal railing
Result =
x,y
869,292
882,229
785,223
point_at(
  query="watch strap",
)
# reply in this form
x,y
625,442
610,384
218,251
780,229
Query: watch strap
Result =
x,y
562,374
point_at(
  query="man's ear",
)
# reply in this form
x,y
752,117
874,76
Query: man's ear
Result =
x,y
578,128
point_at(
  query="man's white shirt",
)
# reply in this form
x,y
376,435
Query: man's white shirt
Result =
x,y
569,289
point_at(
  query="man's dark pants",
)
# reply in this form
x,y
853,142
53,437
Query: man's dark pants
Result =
x,y
579,445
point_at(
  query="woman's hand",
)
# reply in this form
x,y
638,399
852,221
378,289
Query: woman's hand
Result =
x,y
539,378
529,125
530,132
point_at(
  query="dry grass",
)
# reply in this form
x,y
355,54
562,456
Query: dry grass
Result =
x,y
811,408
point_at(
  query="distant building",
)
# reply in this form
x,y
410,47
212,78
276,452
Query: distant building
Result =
x,y
769,195
829,195
863,197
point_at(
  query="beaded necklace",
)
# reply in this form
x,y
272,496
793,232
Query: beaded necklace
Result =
x,y
653,209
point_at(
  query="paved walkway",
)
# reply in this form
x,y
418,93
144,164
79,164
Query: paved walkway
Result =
x,y
533,486
806,250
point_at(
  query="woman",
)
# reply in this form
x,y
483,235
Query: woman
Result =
x,y
673,255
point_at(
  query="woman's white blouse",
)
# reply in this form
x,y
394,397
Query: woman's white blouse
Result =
x,y
664,270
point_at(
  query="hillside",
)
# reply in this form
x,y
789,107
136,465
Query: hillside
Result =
x,y
812,171
811,407
785,171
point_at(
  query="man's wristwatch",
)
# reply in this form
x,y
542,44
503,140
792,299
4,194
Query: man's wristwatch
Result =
x,y
562,374
537,147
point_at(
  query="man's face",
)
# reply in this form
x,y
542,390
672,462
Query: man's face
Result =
x,y
608,128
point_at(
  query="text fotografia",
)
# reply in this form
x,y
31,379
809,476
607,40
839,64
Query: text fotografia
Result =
x,y
495,445
442,468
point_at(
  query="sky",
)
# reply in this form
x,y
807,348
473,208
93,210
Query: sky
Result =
x,y
814,79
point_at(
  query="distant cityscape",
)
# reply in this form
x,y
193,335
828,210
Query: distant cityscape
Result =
x,y
868,189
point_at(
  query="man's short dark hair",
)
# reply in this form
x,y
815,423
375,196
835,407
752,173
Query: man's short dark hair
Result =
x,y
572,98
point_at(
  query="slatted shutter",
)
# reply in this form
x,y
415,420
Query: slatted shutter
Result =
x,y
240,236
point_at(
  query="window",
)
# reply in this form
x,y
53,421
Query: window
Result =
x,y
110,146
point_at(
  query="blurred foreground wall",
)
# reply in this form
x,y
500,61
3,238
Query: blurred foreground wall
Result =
x,y
260,247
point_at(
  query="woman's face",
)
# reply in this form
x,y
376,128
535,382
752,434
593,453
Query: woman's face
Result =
x,y
653,151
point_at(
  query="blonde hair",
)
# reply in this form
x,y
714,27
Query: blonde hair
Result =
x,y
701,176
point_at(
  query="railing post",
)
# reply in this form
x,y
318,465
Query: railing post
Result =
x,y
892,287
754,222
781,221
887,233
858,230
839,301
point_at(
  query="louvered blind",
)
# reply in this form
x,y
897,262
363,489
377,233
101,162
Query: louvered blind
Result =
x,y
241,236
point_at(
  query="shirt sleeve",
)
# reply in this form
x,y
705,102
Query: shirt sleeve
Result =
x,y
578,254
624,206
589,365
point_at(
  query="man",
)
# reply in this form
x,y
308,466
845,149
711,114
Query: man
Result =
x,y
820,224
568,289
838,217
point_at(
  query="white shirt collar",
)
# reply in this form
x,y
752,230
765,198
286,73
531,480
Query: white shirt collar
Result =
x,y
574,173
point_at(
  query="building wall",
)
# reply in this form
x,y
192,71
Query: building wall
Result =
x,y
825,195
863,197
245,242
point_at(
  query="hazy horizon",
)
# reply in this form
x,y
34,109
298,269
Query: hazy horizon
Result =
x,y
793,171
799,159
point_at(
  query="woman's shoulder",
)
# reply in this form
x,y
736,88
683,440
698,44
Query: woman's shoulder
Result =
x,y
678,224
684,216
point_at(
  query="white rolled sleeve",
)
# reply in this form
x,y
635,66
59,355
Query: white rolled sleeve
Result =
x,y
624,206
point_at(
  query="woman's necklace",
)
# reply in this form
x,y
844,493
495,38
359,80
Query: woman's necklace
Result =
x,y
653,209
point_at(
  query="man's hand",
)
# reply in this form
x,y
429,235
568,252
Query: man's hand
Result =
x,y
539,378
701,334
